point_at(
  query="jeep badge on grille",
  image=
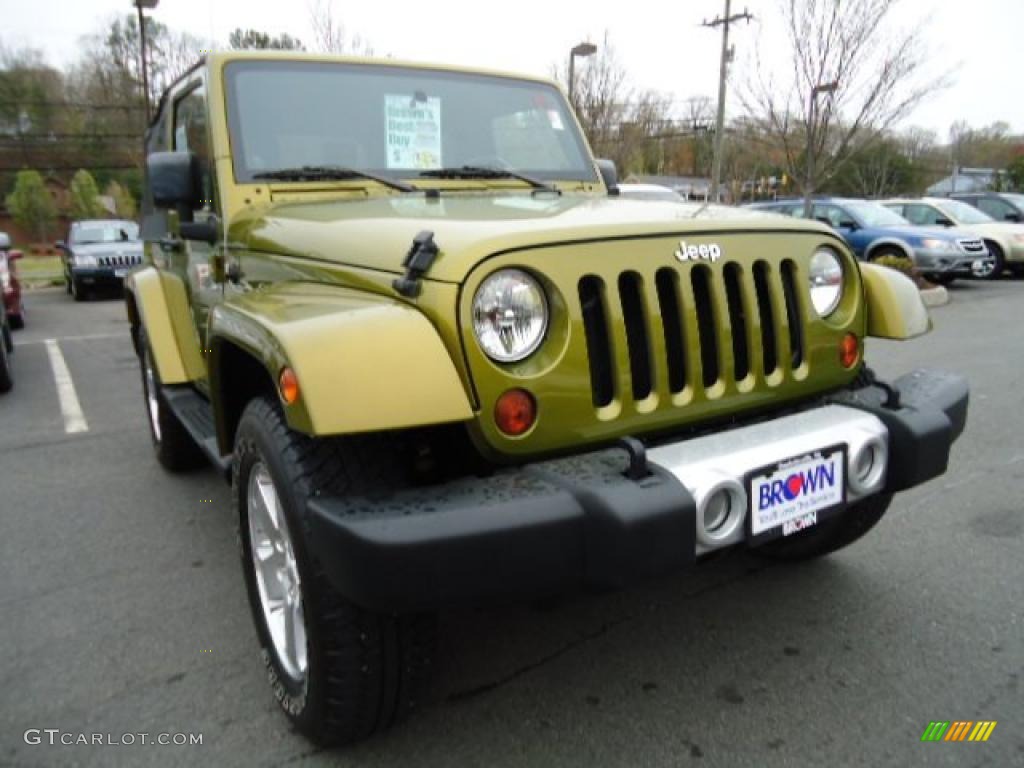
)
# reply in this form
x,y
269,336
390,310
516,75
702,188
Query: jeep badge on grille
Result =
x,y
704,252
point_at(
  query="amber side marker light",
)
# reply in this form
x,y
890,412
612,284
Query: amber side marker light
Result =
x,y
288,383
849,350
515,412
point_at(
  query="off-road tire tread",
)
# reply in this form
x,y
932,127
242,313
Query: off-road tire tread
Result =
x,y
377,665
176,451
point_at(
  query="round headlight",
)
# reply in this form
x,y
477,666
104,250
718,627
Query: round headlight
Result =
x,y
826,278
510,315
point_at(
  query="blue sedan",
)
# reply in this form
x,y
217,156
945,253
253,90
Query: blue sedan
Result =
x,y
873,231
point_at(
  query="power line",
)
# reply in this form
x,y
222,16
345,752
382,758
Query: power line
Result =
x,y
73,104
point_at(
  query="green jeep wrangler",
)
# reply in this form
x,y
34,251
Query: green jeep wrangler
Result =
x,y
441,363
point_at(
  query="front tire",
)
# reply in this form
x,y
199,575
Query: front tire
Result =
x,y
831,535
998,259
6,347
359,672
78,292
175,449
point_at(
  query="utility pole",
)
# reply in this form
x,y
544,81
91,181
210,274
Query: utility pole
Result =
x,y
723,74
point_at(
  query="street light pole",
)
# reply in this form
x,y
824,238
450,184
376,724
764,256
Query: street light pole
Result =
x,y
582,50
812,108
139,5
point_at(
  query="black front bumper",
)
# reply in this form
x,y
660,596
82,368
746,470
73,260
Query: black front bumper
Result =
x,y
99,277
573,523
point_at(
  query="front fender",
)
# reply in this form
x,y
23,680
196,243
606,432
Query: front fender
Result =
x,y
364,362
895,309
160,303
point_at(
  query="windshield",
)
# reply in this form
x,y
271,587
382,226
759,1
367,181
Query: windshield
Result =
x,y
397,122
105,232
875,215
963,213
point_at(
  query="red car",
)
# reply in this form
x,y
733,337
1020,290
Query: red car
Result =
x,y
10,287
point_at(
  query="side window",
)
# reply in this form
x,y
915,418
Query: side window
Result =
x,y
922,215
995,207
832,213
191,134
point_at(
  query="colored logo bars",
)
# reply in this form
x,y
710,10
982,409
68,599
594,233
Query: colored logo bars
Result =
x,y
958,730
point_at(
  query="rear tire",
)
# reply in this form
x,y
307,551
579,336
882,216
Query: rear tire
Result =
x,y
174,447
831,535
17,322
359,672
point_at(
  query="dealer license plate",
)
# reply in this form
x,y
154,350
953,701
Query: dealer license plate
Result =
x,y
797,493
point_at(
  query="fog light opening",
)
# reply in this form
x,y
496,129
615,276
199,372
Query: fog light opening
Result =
x,y
720,513
867,466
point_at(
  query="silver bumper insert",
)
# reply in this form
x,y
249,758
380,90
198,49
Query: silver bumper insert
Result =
x,y
713,468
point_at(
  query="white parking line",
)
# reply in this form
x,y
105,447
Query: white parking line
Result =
x,y
74,419
122,335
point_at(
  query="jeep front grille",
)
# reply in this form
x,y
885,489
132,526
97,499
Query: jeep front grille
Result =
x,y
710,320
119,261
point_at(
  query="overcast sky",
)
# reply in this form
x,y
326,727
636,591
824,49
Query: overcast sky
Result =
x,y
660,44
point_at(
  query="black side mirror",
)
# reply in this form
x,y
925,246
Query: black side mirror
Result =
x,y
1013,217
944,222
60,245
173,179
609,175
848,224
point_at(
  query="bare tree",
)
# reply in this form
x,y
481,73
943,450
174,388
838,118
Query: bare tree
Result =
x,y
847,80
621,123
329,33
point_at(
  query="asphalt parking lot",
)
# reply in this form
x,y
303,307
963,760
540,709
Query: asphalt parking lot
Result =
x,y
123,606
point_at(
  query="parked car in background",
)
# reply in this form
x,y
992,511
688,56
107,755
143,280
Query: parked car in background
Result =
x,y
6,350
1004,239
98,254
10,286
1001,206
649,192
874,232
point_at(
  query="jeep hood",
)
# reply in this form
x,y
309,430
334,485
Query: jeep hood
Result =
x,y
377,233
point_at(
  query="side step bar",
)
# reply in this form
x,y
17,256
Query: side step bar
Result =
x,y
195,413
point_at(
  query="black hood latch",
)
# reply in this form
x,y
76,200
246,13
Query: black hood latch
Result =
x,y
417,263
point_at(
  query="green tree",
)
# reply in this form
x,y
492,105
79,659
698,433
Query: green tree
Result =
x,y
252,39
124,203
85,197
1015,173
32,205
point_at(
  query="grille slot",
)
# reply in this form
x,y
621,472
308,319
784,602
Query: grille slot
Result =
x,y
753,319
667,283
793,314
630,294
596,332
737,321
700,278
769,344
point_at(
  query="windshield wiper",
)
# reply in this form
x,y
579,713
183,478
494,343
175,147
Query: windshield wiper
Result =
x,y
487,172
332,173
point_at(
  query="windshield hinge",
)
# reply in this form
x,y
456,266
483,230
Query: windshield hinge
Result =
x,y
417,262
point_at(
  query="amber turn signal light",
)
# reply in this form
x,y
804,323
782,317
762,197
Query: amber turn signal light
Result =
x,y
515,412
288,383
849,350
